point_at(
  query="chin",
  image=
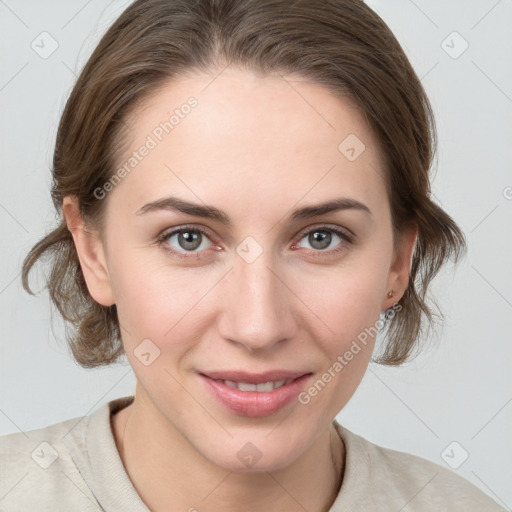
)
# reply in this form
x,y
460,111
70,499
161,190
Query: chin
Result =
x,y
255,451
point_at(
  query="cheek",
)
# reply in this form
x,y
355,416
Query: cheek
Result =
x,y
151,299
162,302
352,315
156,306
347,298
348,302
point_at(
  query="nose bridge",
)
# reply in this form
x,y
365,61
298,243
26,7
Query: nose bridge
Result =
x,y
258,308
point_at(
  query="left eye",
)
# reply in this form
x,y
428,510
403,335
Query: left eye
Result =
x,y
321,238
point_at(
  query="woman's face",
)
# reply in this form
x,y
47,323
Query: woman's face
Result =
x,y
260,287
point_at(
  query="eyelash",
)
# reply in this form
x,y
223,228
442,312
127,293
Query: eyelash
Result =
x,y
164,237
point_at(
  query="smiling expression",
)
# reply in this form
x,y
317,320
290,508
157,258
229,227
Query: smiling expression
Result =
x,y
245,252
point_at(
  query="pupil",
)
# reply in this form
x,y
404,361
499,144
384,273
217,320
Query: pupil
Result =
x,y
321,238
189,240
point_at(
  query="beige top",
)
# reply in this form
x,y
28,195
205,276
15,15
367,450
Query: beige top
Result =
x,y
75,466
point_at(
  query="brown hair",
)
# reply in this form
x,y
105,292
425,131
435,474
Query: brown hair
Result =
x,y
341,44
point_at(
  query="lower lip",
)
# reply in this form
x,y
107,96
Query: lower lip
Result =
x,y
255,403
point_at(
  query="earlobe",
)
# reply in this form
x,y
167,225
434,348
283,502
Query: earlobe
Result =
x,y
90,252
399,273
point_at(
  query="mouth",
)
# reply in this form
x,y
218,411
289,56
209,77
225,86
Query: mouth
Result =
x,y
255,395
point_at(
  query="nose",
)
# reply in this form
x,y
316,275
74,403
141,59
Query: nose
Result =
x,y
258,305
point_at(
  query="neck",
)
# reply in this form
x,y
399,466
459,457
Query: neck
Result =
x,y
167,471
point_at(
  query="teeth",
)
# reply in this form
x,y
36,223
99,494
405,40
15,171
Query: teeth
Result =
x,y
264,386
231,384
242,386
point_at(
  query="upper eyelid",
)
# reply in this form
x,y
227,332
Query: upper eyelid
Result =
x,y
166,233
326,227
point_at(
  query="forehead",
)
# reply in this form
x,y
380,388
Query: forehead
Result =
x,y
237,136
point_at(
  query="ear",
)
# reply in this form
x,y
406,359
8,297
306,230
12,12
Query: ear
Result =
x,y
91,253
399,272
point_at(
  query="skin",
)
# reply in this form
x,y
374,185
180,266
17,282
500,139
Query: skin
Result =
x,y
256,148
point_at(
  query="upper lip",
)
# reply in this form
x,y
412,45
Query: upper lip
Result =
x,y
254,378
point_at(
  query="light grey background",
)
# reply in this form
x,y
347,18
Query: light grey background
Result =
x,y
457,390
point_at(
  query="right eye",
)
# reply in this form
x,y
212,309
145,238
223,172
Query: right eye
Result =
x,y
185,241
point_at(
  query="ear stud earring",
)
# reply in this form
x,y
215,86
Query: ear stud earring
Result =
x,y
390,294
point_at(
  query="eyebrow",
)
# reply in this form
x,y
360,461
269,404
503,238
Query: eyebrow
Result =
x,y
213,213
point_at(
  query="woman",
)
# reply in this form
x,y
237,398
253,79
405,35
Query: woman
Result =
x,y
245,202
